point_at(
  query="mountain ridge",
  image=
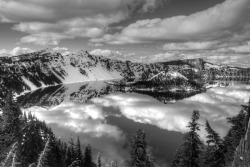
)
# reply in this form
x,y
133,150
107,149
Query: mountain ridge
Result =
x,y
46,67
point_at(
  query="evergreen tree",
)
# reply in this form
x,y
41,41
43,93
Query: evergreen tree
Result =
x,y
79,156
68,157
32,142
88,157
24,137
138,152
234,135
212,155
179,158
189,153
10,125
213,138
72,149
43,158
56,154
99,162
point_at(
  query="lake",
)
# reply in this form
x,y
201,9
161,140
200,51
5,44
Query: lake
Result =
x,y
106,116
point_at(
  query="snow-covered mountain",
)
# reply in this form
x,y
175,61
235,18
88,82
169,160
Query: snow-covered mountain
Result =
x,y
46,67
168,76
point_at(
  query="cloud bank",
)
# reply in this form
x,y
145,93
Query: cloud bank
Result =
x,y
49,22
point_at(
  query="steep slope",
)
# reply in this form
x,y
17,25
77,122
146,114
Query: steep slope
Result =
x,y
46,67
166,82
223,72
242,153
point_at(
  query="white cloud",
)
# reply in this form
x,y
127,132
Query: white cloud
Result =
x,y
106,52
189,46
111,54
90,120
215,105
15,52
79,118
95,44
242,49
19,51
213,23
62,50
4,52
44,38
160,57
150,5
48,22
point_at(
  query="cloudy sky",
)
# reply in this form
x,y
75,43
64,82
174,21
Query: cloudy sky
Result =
x,y
139,30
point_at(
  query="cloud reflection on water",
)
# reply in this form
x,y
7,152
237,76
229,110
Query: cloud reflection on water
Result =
x,y
89,121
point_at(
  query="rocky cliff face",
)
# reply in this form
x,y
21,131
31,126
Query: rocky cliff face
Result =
x,y
45,68
242,153
222,72
194,63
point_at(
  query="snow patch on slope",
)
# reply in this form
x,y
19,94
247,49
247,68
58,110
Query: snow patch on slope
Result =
x,y
208,66
171,74
30,84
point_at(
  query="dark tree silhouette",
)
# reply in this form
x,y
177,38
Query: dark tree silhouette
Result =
x,y
138,153
188,154
79,156
10,125
88,156
99,162
212,155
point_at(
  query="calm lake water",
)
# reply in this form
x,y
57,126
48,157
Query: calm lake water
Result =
x,y
106,117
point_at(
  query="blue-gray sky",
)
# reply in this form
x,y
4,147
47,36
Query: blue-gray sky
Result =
x,y
139,30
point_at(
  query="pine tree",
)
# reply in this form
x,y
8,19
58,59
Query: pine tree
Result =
x,y
79,156
179,158
234,135
213,138
68,157
32,142
99,162
72,149
212,155
10,125
43,158
56,154
138,152
88,157
189,153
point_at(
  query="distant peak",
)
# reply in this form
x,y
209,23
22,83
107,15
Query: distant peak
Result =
x,y
47,50
83,52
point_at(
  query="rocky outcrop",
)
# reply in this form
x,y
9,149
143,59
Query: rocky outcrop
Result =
x,y
194,63
45,68
242,153
220,72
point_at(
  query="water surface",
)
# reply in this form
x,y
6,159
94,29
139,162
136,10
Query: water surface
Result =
x,y
106,116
